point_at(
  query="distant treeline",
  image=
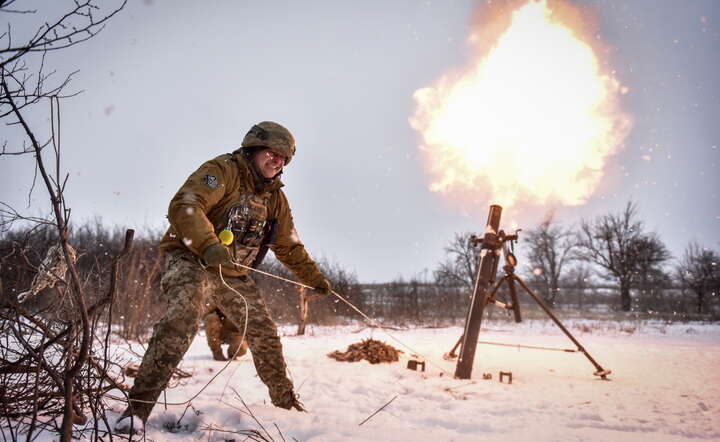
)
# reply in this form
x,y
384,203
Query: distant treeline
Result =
x,y
560,268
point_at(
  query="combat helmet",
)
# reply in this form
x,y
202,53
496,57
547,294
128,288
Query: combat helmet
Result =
x,y
269,134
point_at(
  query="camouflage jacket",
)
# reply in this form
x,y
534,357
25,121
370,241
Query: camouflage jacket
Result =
x,y
222,194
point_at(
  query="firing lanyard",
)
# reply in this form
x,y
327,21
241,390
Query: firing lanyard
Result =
x,y
340,297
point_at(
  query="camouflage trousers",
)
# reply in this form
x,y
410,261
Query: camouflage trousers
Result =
x,y
187,286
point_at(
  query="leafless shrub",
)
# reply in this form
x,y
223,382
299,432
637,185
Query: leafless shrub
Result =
x,y
283,300
139,302
577,282
699,270
51,358
417,301
549,247
37,349
461,263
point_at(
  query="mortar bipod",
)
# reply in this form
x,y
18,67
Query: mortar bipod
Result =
x,y
511,278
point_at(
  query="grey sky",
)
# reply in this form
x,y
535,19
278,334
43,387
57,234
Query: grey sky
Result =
x,y
170,84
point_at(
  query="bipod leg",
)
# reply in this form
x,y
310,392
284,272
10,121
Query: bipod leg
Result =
x,y
514,299
489,298
514,305
451,354
599,370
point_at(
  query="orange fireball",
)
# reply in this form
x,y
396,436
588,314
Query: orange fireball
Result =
x,y
535,119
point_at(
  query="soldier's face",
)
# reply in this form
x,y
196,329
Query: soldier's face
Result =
x,y
269,162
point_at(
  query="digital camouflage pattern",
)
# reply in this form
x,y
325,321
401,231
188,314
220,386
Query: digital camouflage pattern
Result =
x,y
187,285
219,330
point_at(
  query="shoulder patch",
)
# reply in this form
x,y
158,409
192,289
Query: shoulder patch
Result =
x,y
210,181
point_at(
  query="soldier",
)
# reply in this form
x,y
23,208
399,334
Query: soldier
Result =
x,y
236,197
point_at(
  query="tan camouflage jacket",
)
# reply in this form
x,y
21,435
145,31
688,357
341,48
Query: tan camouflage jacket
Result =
x,y
201,207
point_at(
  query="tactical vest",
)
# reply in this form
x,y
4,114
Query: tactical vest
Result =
x,y
248,221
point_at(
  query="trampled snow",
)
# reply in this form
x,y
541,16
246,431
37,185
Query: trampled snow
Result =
x,y
665,386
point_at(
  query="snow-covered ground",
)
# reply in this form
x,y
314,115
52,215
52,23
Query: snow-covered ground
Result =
x,y
665,385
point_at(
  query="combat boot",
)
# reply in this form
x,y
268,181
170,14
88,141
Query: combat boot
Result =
x,y
291,401
297,405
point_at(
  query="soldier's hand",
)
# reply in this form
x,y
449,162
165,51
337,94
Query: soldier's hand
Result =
x,y
217,254
322,289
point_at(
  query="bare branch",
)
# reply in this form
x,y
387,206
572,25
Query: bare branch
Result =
x,y
551,245
59,35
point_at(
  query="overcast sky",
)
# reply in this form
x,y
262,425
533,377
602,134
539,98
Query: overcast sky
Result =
x,y
170,84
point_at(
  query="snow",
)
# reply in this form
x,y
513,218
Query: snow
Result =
x,y
665,386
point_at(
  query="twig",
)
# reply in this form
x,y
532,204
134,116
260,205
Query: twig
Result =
x,y
279,432
252,415
378,410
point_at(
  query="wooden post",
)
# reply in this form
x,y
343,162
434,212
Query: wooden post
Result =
x,y
304,308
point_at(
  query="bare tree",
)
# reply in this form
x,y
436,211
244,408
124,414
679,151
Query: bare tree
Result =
x,y
25,84
461,264
699,270
619,245
551,245
577,278
650,277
